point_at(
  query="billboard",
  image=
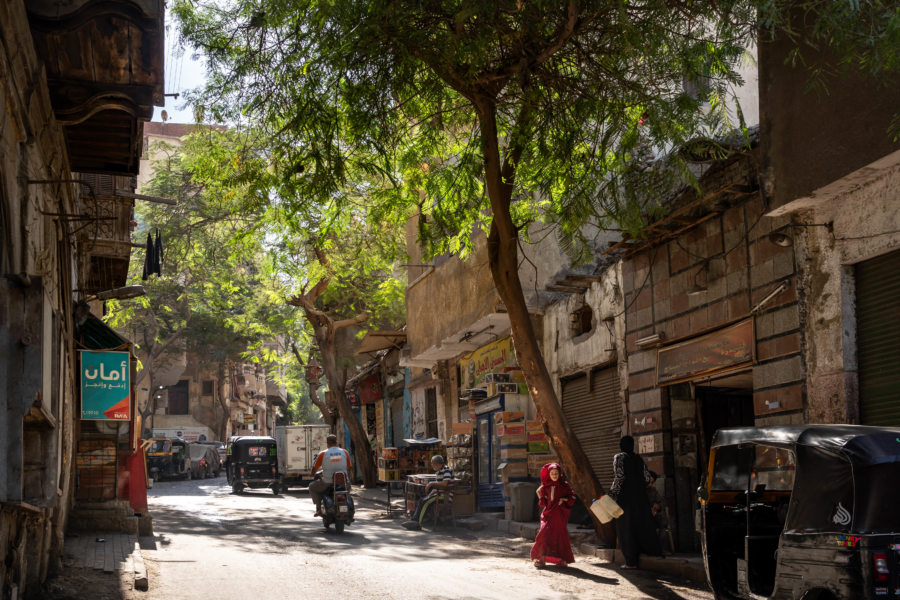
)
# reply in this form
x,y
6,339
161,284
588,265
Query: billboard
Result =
x,y
105,385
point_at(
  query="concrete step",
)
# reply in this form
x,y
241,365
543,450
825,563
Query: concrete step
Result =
x,y
104,516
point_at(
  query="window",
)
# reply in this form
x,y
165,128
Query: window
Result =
x,y
581,320
207,388
178,399
431,428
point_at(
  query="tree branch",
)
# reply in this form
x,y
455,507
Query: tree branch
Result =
x,y
360,318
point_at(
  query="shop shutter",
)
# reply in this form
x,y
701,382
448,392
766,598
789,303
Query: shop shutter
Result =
x,y
594,414
878,329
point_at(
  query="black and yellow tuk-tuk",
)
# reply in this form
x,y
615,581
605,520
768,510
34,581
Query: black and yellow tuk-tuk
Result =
x,y
802,512
168,458
252,462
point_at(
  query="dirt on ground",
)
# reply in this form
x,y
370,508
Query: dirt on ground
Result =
x,y
74,583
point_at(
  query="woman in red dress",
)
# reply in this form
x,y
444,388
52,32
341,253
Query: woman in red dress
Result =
x,y
552,541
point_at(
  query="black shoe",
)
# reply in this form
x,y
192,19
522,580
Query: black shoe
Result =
x,y
412,525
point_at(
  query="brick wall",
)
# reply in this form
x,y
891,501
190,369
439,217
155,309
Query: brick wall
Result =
x,y
744,266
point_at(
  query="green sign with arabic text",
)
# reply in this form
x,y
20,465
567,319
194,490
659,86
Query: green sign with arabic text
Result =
x,y
105,385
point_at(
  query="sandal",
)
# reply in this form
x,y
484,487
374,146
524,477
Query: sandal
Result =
x,y
628,567
562,564
539,564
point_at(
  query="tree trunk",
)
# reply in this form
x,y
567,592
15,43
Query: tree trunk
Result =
x,y
220,392
503,258
361,448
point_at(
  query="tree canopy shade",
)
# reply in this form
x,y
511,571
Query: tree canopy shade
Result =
x,y
479,114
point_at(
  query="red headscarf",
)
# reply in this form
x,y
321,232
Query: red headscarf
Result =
x,y
554,489
545,474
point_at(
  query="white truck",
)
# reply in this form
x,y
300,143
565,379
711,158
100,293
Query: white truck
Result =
x,y
298,446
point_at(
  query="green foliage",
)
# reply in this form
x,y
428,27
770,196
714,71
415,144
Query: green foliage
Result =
x,y
388,99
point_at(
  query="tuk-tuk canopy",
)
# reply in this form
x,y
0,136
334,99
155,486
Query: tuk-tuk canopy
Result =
x,y
846,475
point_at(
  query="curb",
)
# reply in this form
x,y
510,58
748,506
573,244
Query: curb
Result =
x,y
673,566
141,581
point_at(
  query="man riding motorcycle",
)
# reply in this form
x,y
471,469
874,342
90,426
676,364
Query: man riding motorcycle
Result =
x,y
331,460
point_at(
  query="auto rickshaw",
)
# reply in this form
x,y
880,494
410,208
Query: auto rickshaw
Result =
x,y
252,462
168,458
802,512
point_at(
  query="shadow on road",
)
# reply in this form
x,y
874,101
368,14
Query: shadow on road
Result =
x,y
258,521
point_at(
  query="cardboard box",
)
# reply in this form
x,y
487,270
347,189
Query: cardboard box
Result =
x,y
534,427
542,447
388,475
510,429
509,417
513,440
460,428
537,437
507,453
390,453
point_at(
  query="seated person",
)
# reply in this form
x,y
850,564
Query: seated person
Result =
x,y
443,482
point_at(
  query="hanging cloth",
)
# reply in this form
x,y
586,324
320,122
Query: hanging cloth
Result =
x,y
158,254
148,259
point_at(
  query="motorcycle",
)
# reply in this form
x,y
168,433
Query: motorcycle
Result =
x,y
337,504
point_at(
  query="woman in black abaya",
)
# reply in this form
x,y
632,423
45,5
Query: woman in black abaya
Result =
x,y
635,529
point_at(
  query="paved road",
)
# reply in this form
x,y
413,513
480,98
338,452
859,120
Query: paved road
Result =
x,y
211,544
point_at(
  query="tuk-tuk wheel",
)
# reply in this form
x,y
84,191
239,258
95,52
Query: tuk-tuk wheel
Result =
x,y
275,489
237,488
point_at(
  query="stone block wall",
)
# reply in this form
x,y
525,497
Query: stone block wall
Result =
x,y
733,257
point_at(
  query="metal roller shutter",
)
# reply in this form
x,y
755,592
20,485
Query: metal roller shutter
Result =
x,y
595,416
878,328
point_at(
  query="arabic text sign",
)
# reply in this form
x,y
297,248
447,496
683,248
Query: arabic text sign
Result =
x,y
717,351
105,386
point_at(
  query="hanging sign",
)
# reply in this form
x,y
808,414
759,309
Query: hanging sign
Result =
x,y
720,350
495,357
105,385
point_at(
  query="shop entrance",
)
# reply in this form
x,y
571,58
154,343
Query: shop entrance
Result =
x,y
697,411
721,407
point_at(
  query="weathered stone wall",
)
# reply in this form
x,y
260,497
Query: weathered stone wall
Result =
x,y
36,259
565,352
864,210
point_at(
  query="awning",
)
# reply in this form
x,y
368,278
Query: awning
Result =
x,y
97,335
381,340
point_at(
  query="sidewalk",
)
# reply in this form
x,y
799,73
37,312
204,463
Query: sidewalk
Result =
x,y
107,551
687,566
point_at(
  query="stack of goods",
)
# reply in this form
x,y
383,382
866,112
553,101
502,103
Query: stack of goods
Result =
x,y
389,465
460,453
417,458
538,447
500,383
510,428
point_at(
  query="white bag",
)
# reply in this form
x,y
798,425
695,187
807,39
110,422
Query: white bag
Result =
x,y
606,509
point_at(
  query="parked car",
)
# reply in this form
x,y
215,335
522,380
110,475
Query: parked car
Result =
x,y
204,461
219,446
168,458
802,512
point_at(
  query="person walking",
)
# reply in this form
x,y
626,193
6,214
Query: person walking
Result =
x,y
556,497
636,528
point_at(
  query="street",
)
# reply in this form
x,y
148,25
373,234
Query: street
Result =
x,y
210,543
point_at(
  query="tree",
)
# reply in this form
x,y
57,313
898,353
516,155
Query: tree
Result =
x,y
208,278
483,114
